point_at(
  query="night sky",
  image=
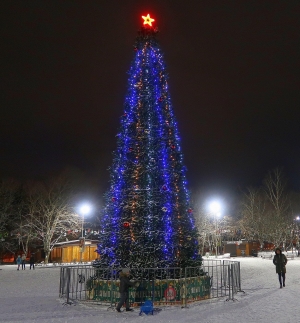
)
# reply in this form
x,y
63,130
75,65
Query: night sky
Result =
x,y
233,78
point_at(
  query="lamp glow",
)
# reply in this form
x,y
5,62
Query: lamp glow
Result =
x,y
215,208
85,209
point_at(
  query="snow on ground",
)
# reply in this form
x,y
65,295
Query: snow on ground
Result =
x,y
32,296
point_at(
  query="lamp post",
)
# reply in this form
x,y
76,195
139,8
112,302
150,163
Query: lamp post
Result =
x,y
215,209
83,210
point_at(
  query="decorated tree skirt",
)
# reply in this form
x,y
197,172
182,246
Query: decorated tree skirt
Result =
x,y
162,292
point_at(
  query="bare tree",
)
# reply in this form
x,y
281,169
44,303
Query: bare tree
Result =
x,y
51,212
295,213
279,211
205,230
266,212
253,211
213,230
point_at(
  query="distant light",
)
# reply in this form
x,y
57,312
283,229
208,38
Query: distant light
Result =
x,y
215,207
85,209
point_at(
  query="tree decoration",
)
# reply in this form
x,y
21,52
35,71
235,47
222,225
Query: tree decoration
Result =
x,y
148,20
147,179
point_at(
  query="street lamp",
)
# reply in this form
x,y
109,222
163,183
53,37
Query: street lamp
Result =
x,y
84,209
215,209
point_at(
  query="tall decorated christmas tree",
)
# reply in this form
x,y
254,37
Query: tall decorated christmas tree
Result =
x,y
147,218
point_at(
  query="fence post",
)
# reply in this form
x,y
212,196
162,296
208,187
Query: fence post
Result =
x,y
184,289
229,281
110,272
60,283
68,285
239,275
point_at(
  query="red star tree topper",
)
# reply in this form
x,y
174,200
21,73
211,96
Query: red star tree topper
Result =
x,y
148,20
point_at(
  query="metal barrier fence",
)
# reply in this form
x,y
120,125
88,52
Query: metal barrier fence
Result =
x,y
163,286
225,277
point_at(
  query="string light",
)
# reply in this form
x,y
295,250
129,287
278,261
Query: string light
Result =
x,y
146,212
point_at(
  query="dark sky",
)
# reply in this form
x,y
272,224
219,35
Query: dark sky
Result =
x,y
233,78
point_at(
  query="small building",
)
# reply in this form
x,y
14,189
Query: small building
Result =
x,y
74,251
241,248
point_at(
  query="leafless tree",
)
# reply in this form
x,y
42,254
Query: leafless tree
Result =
x,y
295,213
278,208
212,230
51,212
266,212
253,215
205,230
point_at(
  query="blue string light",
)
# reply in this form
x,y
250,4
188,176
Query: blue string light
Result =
x,y
148,188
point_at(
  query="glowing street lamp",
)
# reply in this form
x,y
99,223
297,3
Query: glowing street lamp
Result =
x,y
84,209
215,209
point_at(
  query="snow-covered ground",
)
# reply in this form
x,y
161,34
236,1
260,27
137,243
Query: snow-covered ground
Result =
x,y
32,296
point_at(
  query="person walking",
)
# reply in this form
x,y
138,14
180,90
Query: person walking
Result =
x,y
280,262
19,261
31,261
23,261
125,283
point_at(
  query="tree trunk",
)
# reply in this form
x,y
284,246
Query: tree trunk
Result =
x,y
47,251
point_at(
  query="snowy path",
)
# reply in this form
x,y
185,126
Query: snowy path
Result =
x,y
32,296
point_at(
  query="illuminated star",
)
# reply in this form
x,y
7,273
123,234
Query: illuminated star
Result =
x,y
148,20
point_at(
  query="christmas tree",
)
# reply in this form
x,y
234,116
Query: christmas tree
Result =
x,y
147,219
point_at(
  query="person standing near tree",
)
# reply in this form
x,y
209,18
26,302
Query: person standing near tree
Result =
x,y
31,261
280,262
19,261
23,261
125,283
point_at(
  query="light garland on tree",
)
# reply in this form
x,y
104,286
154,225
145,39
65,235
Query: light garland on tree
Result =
x,y
147,216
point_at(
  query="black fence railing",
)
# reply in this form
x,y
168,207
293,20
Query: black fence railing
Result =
x,y
163,286
225,277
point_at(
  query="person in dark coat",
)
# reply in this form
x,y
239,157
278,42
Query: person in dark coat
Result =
x,y
125,283
31,261
280,262
23,261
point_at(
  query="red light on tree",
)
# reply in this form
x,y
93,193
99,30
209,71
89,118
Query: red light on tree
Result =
x,y
126,224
